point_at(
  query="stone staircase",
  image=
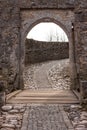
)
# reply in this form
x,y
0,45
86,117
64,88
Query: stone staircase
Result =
x,y
47,96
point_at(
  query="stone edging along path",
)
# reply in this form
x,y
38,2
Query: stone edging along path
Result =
x,y
11,116
59,76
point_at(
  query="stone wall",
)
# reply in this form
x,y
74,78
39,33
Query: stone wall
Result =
x,y
13,21
62,17
81,45
11,51
44,4
36,51
9,44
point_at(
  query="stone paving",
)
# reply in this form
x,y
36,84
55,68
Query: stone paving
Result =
x,y
43,117
46,117
77,115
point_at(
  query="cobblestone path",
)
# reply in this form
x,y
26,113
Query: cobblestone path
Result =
x,y
46,117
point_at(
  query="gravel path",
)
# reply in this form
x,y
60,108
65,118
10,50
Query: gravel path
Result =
x,y
41,77
59,75
52,74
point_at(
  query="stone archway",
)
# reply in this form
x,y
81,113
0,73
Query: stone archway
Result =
x,y
18,15
30,18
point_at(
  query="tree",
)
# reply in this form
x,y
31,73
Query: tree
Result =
x,y
56,36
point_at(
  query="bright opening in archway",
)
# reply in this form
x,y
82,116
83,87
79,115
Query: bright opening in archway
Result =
x,y
48,32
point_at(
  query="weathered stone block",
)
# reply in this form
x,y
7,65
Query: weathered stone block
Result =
x,y
60,4
81,15
81,26
81,3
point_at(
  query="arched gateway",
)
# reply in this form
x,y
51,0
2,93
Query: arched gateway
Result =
x,y
64,19
17,19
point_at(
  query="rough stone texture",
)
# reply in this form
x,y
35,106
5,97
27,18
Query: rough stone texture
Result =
x,y
36,51
77,115
17,17
11,49
81,3
46,117
81,46
37,116
9,42
59,75
13,120
60,4
7,108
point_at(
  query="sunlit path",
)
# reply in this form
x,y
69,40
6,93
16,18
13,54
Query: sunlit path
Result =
x,y
52,74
